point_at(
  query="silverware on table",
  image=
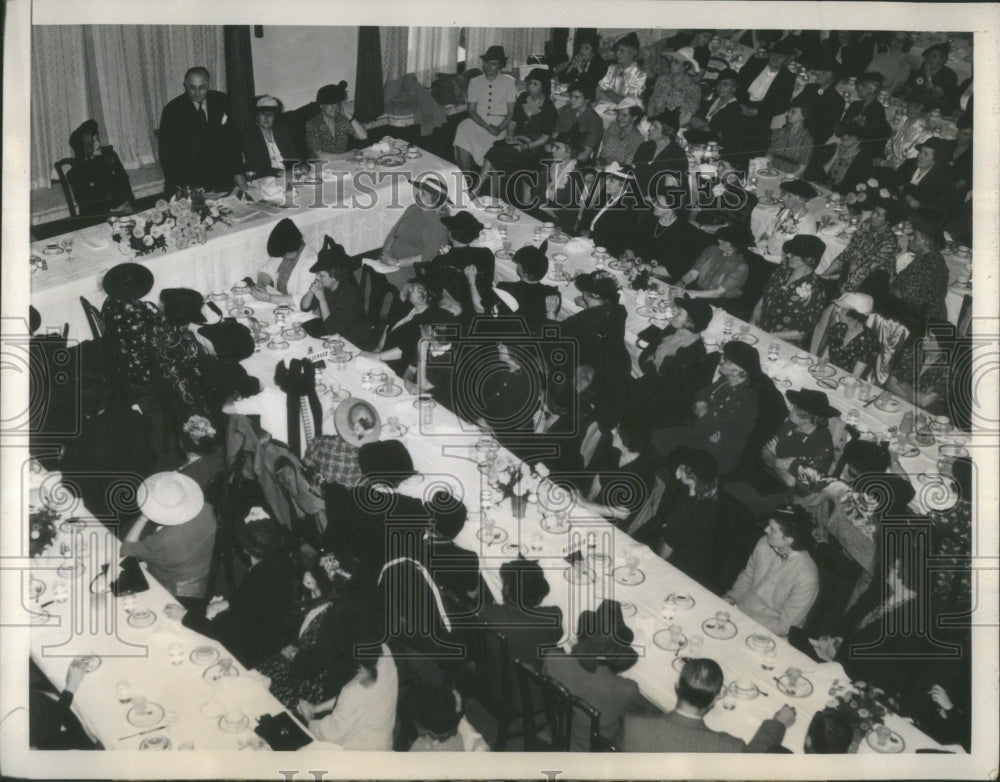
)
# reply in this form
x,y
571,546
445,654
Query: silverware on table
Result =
x,y
142,732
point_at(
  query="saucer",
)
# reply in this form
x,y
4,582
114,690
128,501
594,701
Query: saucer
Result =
x,y
504,255
389,390
744,695
90,663
950,451
140,619
627,577
678,602
822,371
394,433
578,574
277,345
802,359
889,405
413,155
559,276
511,549
760,642
204,655
906,450
294,333
721,631
68,569
53,250
153,714
558,238
746,338
240,312
505,218
216,673
662,639
234,727
551,524
498,536
629,609
803,687
893,744
156,741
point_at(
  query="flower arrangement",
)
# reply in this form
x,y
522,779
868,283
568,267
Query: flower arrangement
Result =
x,y
863,190
860,704
519,482
640,275
179,224
42,530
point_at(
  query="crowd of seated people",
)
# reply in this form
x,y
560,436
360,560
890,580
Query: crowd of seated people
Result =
x,y
735,463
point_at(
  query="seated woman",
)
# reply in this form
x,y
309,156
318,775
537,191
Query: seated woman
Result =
x,y
951,540
491,98
660,156
254,623
609,215
268,146
204,457
913,130
286,277
622,138
922,283
794,297
328,133
664,234
400,343
435,717
324,584
462,276
628,470
561,183
923,183
336,297
537,303
178,546
362,686
680,345
531,629
626,77
851,163
849,343
528,134
677,89
869,114
419,234
791,145
592,671
133,327
725,411
922,373
894,61
578,117
97,178
586,65
721,270
794,218
934,81
802,442
868,263
721,120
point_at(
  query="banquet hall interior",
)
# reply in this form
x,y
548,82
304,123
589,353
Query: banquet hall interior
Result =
x,y
521,389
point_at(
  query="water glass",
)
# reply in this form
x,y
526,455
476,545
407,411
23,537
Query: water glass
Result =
x,y
676,634
882,734
632,559
537,543
768,659
176,653
696,646
124,691
722,617
792,676
773,351
853,417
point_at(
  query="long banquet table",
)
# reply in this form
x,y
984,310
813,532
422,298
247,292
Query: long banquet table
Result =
x,y
72,615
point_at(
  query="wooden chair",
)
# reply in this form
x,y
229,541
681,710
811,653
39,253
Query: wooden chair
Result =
x,y
759,273
490,679
558,705
61,166
378,296
94,319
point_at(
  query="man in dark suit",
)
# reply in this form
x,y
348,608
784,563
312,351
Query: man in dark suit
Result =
x,y
765,92
721,119
268,146
825,106
683,730
197,145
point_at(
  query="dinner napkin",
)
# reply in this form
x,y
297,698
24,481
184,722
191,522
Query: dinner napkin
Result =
x,y
381,268
579,245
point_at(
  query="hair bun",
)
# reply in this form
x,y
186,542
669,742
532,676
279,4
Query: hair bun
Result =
x,y
342,83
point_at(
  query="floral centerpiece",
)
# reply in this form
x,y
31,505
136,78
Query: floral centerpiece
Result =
x,y
866,194
179,224
859,703
520,482
41,530
640,275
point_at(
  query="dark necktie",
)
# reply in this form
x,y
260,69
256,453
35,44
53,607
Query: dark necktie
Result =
x,y
201,112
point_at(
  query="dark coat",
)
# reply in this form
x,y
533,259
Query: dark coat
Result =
x,y
778,95
255,156
824,111
100,183
194,153
934,191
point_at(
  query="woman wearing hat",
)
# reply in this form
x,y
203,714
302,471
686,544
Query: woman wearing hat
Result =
x,y
328,133
622,138
681,345
721,120
851,163
721,270
537,302
134,328
664,234
792,145
419,234
766,88
624,79
586,65
178,547
922,183
463,276
578,118
256,622
922,283
849,343
528,133
922,373
491,99
660,156
935,80
97,178
336,297
608,215
268,147
872,249
914,130
894,61
678,89
561,183
592,671
794,297
286,277
794,218
869,114
401,342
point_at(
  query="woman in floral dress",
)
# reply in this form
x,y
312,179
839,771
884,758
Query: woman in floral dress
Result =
x,y
850,344
793,299
678,88
922,284
952,539
872,249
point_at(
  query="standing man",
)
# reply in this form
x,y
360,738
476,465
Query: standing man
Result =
x,y
766,88
198,147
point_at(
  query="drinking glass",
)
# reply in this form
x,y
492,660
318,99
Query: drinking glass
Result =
x,y
507,244
696,646
676,634
792,675
768,659
853,417
722,617
632,559
882,734
176,653
124,691
773,351
66,243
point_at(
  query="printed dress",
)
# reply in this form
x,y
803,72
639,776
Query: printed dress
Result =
x,y
862,348
788,305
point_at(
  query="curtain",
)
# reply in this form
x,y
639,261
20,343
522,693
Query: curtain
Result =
x,y
60,98
239,74
394,42
368,95
518,42
432,50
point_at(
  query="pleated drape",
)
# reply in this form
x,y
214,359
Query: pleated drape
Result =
x,y
394,41
239,74
518,42
368,94
432,50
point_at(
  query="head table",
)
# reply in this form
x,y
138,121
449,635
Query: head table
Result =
x,y
444,452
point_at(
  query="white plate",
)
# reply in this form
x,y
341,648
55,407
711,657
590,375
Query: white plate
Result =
x,y
719,631
156,741
662,639
142,618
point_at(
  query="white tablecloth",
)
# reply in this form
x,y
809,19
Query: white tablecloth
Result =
x,y
92,622
231,252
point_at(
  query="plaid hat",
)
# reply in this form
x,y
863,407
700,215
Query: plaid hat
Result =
x,y
333,460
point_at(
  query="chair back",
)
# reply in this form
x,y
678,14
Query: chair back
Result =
x,y
759,272
493,680
541,693
61,167
94,319
378,296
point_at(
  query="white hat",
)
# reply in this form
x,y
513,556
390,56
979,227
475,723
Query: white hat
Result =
x,y
170,498
627,103
267,103
686,53
861,303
